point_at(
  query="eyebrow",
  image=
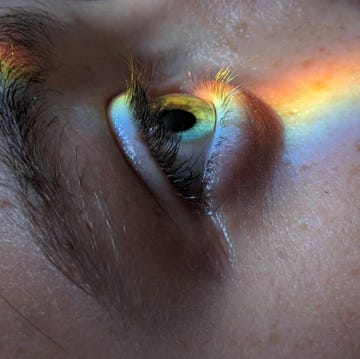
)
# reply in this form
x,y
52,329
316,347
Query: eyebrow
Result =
x,y
24,57
29,141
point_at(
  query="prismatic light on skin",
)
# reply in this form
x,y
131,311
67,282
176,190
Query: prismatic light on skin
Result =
x,y
312,101
238,122
7,57
15,62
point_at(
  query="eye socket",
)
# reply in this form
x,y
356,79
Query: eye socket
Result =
x,y
211,146
213,143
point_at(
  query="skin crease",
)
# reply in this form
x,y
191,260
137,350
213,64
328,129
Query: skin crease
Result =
x,y
295,289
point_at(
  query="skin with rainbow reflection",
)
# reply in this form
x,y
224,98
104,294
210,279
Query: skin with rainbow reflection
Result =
x,y
293,287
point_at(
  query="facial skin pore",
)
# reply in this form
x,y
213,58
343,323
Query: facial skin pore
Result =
x,y
293,288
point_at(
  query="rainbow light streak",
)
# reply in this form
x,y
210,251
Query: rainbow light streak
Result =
x,y
14,62
315,103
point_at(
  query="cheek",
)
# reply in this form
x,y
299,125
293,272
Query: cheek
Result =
x,y
297,243
42,312
298,240
313,196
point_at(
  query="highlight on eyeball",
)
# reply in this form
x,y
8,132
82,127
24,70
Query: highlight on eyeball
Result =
x,y
206,143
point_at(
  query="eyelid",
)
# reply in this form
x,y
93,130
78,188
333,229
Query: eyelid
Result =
x,y
137,152
247,136
184,217
249,133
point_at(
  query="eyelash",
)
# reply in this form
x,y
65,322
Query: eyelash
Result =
x,y
164,144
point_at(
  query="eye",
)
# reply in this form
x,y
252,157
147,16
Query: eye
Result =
x,y
204,143
177,130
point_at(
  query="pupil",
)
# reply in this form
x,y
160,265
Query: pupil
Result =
x,y
177,120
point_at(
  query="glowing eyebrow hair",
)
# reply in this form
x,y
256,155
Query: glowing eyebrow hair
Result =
x,y
24,48
25,52
25,35
29,142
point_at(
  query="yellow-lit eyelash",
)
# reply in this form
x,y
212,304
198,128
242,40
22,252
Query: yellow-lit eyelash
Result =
x,y
209,101
180,152
222,94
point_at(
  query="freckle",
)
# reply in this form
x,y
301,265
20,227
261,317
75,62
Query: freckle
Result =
x,y
5,204
317,307
307,63
273,337
358,147
183,343
253,341
355,272
242,27
319,85
349,314
304,168
282,254
303,227
276,64
329,281
355,170
87,68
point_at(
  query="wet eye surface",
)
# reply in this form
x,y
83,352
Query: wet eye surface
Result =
x,y
189,116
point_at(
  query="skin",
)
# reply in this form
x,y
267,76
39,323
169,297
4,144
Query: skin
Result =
x,y
294,290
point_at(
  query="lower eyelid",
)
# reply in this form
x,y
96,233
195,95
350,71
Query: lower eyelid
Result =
x,y
127,133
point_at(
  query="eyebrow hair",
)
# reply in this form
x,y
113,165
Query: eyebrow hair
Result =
x,y
24,53
74,230
58,217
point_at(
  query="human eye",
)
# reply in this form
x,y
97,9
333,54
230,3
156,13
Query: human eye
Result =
x,y
196,141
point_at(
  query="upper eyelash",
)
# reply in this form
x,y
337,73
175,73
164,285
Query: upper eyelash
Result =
x,y
163,144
